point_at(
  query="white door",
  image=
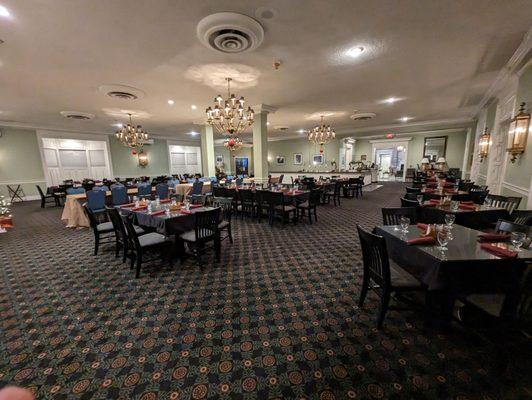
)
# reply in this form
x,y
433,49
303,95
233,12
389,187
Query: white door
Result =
x,y
385,161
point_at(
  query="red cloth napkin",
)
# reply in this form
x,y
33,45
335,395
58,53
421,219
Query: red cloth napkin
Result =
x,y
155,213
6,222
140,208
434,201
468,207
432,185
493,237
498,251
127,205
165,201
470,202
421,240
430,190
422,226
183,211
195,206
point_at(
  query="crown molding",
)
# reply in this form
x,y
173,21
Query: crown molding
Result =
x,y
264,108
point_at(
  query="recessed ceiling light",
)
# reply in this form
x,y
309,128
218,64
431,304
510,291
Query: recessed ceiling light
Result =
x,y
193,106
193,133
405,119
171,102
355,51
390,100
301,131
4,12
267,123
118,125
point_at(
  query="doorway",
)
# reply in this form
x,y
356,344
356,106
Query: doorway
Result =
x,y
241,166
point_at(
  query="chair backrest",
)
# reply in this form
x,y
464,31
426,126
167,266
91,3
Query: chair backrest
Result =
x,y
131,233
507,202
509,226
392,216
218,191
314,197
523,217
161,190
272,198
197,199
413,190
116,184
206,223
96,200
409,203
465,186
92,218
411,196
118,223
478,196
197,187
73,190
461,197
40,191
375,257
246,195
410,173
225,204
144,189
119,194
281,177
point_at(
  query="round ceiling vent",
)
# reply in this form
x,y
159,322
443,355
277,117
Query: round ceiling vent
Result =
x,y
121,92
230,32
362,116
281,128
77,115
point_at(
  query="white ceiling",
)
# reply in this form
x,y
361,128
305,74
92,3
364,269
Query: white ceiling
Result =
x,y
439,56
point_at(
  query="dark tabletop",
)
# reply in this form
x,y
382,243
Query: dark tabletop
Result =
x,y
483,217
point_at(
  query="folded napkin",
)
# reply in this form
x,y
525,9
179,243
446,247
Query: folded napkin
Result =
x,y
421,240
183,211
195,206
140,208
434,201
127,205
6,223
493,237
498,251
468,207
155,213
430,190
470,202
165,201
423,227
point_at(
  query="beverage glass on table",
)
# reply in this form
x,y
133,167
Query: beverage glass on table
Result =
x,y
404,222
419,198
449,220
443,237
517,239
454,205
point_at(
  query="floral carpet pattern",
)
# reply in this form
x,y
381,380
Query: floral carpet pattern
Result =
x,y
277,318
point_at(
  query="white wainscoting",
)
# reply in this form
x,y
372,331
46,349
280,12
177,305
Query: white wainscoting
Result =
x,y
184,159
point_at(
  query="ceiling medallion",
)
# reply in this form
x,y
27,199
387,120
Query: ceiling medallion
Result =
x,y
233,143
130,136
229,117
321,134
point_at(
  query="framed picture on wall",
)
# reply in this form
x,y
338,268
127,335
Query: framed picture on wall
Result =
x,y
219,159
279,160
298,159
317,159
363,157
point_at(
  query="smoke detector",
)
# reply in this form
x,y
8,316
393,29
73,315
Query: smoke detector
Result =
x,y
362,116
122,92
229,32
78,115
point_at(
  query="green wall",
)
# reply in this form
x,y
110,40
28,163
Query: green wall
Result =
x,y
126,165
20,160
490,123
288,148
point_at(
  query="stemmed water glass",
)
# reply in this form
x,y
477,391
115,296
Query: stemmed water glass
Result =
x,y
449,220
517,239
404,222
443,238
420,199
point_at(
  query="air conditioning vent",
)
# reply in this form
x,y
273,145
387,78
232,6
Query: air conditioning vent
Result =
x,y
281,128
362,116
122,95
228,32
77,115
122,92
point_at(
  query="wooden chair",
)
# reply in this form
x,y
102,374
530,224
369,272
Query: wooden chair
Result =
x,y
478,196
122,239
145,244
310,205
47,198
205,231
507,202
334,194
392,216
409,203
102,230
247,204
381,274
275,201
523,217
509,227
226,210
413,190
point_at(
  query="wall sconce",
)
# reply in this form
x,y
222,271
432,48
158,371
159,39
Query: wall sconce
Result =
x,y
484,145
518,133
143,159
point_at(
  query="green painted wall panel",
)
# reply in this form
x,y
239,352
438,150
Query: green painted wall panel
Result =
x,y
126,165
288,148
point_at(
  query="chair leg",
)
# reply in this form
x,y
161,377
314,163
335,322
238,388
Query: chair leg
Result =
x,y
385,300
96,243
42,203
117,247
315,214
309,216
218,247
132,260
139,264
363,292
230,233
126,249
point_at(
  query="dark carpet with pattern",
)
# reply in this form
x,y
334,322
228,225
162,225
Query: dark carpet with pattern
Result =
x,y
277,318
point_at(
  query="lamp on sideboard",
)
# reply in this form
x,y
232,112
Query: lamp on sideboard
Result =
x,y
425,163
441,163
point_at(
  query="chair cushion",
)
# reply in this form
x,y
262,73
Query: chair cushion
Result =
x,y
489,303
138,229
105,227
285,208
402,279
303,205
223,224
189,236
151,239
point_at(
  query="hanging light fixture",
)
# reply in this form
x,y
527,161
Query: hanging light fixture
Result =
x,y
518,133
233,143
229,116
484,145
130,136
321,134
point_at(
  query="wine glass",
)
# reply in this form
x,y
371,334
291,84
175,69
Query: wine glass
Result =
x,y
419,198
517,239
404,222
443,238
449,220
454,205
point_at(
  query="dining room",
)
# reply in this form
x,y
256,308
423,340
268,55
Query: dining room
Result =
x,y
265,200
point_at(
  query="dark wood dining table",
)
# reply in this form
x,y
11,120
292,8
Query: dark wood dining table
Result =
x,y
482,217
443,193
465,268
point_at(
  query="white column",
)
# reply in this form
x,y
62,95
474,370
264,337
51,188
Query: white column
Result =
x,y
260,142
467,151
207,150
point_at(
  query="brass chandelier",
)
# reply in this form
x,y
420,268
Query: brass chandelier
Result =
x,y
130,136
229,116
321,134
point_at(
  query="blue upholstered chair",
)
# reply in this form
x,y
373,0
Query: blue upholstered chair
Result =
x,y
191,180
75,190
102,188
213,179
119,194
116,184
144,190
161,190
239,181
197,188
96,200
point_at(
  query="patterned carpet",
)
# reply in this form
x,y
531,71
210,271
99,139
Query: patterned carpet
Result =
x,y
277,318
